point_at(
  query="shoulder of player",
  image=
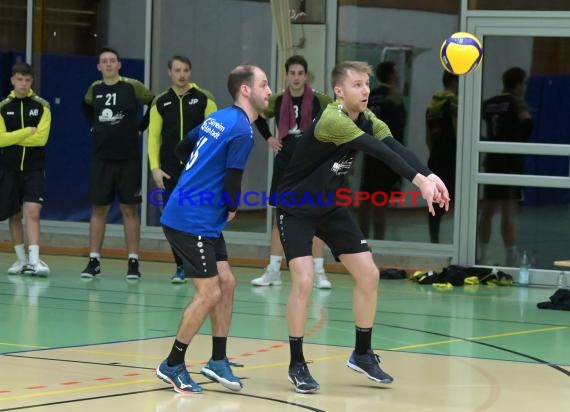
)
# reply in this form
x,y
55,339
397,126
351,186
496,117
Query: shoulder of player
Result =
x,y
134,83
323,99
6,101
203,92
40,100
161,97
332,116
95,84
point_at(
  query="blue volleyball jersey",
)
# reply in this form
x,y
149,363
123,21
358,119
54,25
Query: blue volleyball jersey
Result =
x,y
197,204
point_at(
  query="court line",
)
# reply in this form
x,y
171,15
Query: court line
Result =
x,y
475,338
476,341
157,390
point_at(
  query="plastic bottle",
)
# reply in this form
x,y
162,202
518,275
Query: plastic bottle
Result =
x,y
562,281
524,270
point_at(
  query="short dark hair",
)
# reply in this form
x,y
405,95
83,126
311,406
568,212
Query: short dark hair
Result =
x,y
384,70
179,58
448,78
239,76
513,77
109,50
296,59
23,68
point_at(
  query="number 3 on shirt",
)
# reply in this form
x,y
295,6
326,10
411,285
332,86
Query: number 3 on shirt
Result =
x,y
195,152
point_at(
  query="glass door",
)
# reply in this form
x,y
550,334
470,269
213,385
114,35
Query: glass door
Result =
x,y
515,144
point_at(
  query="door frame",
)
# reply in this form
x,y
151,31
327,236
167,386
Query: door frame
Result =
x,y
482,24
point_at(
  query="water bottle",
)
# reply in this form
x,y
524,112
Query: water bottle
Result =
x,y
524,270
562,281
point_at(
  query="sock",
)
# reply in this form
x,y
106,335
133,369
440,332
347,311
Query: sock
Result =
x,y
483,252
95,255
34,253
20,252
133,256
219,347
275,262
296,348
363,340
177,353
318,264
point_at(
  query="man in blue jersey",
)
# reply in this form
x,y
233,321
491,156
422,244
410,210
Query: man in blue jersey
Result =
x,y
198,209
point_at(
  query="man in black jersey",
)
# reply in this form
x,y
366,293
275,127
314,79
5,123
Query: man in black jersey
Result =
x,y
507,119
441,139
112,109
25,121
294,110
323,157
387,103
172,115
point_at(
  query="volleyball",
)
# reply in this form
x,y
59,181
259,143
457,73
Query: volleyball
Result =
x,y
461,53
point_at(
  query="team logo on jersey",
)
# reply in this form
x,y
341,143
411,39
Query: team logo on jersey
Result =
x,y
34,112
343,165
107,116
166,104
192,101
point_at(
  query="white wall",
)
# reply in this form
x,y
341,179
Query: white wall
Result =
x,y
216,35
125,24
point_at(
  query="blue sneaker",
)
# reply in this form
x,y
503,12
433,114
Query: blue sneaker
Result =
x,y
220,371
301,378
178,377
369,364
179,276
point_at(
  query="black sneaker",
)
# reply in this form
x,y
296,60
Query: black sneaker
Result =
x,y
369,364
300,376
93,269
133,271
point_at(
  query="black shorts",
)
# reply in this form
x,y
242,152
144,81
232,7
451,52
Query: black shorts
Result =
x,y
17,187
110,178
337,228
282,159
199,254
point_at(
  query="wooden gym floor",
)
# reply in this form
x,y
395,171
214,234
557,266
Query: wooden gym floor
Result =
x,y
67,344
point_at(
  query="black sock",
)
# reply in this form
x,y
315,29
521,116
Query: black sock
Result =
x,y
296,347
363,340
219,347
177,353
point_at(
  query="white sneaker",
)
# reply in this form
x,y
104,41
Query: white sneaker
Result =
x,y
321,281
40,268
16,267
270,277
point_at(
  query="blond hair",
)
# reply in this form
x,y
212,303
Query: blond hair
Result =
x,y
340,71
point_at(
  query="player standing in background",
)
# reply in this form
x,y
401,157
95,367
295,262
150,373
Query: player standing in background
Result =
x,y
112,109
25,121
172,115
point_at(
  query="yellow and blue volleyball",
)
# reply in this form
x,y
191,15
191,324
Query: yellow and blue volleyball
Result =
x,y
461,53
